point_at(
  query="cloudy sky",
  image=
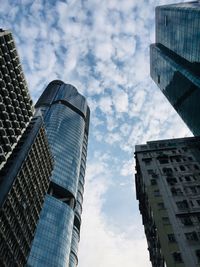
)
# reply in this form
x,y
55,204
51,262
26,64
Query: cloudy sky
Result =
x,y
102,48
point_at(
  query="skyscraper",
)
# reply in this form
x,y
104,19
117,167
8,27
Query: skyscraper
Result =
x,y
25,160
16,108
66,118
168,190
175,59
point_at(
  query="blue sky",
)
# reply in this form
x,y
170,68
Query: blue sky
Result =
x,y
102,48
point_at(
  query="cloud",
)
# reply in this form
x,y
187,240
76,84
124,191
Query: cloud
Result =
x,y
103,243
101,47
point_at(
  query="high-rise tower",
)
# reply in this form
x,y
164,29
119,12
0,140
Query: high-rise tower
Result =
x,y
168,190
175,59
25,160
66,118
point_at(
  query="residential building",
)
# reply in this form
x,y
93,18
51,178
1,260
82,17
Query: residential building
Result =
x,y
25,160
16,108
66,118
168,190
175,59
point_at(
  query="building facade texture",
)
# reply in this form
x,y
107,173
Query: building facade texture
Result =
x,y
168,190
25,160
175,59
16,107
66,118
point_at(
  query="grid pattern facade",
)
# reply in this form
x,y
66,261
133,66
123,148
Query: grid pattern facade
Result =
x,y
24,183
168,190
175,59
15,103
66,117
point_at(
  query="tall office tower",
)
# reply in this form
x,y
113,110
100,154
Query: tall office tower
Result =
x,y
175,59
25,160
15,103
66,117
168,190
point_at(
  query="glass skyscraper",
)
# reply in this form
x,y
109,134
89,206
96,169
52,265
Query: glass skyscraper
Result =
x,y
175,59
66,117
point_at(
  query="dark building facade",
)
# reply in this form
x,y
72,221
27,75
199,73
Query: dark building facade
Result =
x,y
175,59
23,184
25,160
168,190
66,118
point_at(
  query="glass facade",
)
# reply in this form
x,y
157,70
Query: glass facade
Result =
x,y
66,117
175,59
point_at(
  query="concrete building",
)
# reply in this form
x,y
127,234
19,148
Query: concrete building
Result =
x,y
25,160
175,59
168,190
16,108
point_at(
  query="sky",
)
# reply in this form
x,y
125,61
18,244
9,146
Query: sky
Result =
x,y
102,48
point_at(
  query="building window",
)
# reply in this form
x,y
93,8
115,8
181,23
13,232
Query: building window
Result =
x,y
186,221
182,168
150,171
158,78
166,20
176,191
171,180
187,178
167,171
171,238
198,255
147,161
156,193
177,257
165,220
198,202
161,205
196,167
191,236
163,160
182,205
153,182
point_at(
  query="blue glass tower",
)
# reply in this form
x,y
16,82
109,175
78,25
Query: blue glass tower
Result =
x,y
66,117
175,59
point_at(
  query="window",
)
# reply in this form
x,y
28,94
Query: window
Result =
x,y
182,205
191,236
153,182
163,160
150,171
166,20
158,78
177,257
171,180
186,221
176,191
156,193
165,220
198,255
182,168
147,161
187,178
161,205
196,167
167,171
171,238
